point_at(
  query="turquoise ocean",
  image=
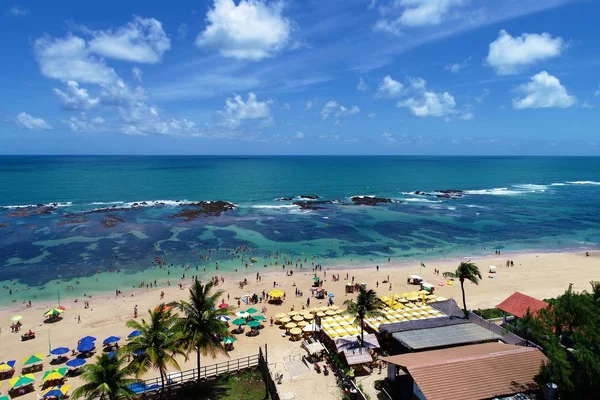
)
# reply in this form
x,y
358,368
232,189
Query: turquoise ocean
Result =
x,y
68,218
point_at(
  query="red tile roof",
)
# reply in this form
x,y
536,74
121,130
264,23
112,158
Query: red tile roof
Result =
x,y
472,372
517,304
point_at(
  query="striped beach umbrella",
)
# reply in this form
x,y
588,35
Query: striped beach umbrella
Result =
x,y
33,359
22,380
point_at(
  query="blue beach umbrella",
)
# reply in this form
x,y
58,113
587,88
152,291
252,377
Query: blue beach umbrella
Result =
x,y
87,339
224,318
111,339
75,363
112,354
59,351
331,295
85,347
134,334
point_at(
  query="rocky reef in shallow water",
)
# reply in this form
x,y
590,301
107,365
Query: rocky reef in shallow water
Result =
x,y
111,220
369,201
28,211
195,210
312,205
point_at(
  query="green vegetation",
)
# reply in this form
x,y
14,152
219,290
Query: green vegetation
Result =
x,y
106,379
248,385
366,305
466,271
569,333
488,313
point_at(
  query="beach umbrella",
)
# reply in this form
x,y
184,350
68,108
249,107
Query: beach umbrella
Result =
x,y
292,313
4,398
331,295
87,339
57,391
112,354
164,307
285,320
334,307
242,314
239,321
133,334
53,312
302,323
252,310
59,351
309,316
16,318
22,380
224,318
290,325
316,278
330,312
324,308
321,314
5,368
258,317
111,339
75,363
276,293
223,305
54,374
253,324
297,318
296,331
33,359
229,340
85,347
280,315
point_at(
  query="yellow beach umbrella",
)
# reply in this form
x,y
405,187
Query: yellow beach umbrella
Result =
x,y
280,315
64,389
324,308
285,320
302,323
321,314
5,368
53,312
331,312
22,380
334,307
292,313
290,325
309,317
297,318
276,293
54,374
33,359
296,331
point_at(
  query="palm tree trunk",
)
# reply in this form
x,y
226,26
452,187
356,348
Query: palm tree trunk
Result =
x,y
362,332
162,381
462,287
198,362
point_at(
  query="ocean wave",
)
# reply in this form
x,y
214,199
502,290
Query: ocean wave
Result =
x,y
532,187
495,192
584,183
474,206
417,200
56,204
558,184
262,206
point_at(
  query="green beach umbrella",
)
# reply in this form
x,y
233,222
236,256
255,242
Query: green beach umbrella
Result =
x,y
16,318
253,324
239,321
259,318
252,311
316,278
229,340
33,359
53,374
22,380
4,398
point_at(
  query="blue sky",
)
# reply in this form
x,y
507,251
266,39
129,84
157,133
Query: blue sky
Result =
x,y
301,77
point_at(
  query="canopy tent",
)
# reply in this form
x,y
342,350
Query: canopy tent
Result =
x,y
86,347
314,348
59,351
21,381
75,363
54,374
56,391
111,339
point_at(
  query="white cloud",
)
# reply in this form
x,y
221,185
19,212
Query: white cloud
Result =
x,y
308,105
18,11
286,106
485,93
137,118
588,105
389,88
82,124
237,110
76,98
544,91
372,115
597,91
137,73
333,108
32,123
299,135
416,13
426,103
455,68
251,30
509,55
362,85
143,41
120,93
182,31
467,116
69,58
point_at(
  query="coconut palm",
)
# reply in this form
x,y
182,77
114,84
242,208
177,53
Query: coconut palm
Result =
x,y
158,343
366,305
106,379
202,330
466,271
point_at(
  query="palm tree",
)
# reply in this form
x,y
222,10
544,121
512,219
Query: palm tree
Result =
x,y
366,305
203,331
106,379
466,271
158,343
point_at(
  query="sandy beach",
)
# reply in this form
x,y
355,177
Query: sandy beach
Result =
x,y
540,275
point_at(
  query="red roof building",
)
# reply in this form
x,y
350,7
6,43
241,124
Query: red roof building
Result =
x,y
517,304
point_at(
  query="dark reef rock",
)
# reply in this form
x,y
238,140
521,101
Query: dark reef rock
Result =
x,y
312,205
449,194
284,198
72,220
39,209
3,224
369,201
309,196
419,193
203,208
111,220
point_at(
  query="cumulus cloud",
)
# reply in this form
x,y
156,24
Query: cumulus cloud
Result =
x,y
299,135
19,11
425,103
372,115
75,97
137,73
308,105
250,30
237,110
416,13
543,91
455,68
138,118
69,58
119,93
143,41
83,124
509,55
389,88
333,108
32,123
362,85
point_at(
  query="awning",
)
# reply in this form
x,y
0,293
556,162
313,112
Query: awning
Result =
x,y
358,357
314,348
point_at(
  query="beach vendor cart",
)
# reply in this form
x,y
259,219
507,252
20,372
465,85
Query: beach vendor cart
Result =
x,y
414,280
427,287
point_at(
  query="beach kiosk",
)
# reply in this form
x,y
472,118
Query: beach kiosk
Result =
x,y
414,280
